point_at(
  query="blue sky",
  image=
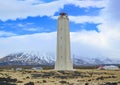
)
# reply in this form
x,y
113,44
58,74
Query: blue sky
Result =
x,y
31,25
38,24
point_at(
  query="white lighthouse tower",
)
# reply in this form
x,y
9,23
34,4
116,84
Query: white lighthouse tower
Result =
x,y
63,60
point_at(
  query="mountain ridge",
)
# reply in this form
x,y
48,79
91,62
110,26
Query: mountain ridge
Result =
x,y
35,59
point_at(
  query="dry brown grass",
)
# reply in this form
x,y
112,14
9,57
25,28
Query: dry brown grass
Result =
x,y
52,77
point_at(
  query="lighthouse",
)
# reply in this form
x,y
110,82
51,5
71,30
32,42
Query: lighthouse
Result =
x,y
63,59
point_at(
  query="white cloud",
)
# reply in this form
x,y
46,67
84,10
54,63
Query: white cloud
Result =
x,y
37,42
88,3
112,10
13,9
83,19
6,34
20,25
111,26
85,43
31,29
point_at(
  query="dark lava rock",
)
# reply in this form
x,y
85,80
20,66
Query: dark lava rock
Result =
x,y
86,84
62,72
8,79
6,83
36,75
19,81
27,77
100,78
61,77
63,82
108,83
44,81
30,83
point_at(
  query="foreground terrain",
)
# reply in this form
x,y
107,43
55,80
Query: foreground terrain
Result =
x,y
51,77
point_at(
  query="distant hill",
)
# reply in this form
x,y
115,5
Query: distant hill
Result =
x,y
48,60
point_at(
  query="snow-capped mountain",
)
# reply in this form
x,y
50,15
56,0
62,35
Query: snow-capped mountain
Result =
x,y
47,59
94,61
26,59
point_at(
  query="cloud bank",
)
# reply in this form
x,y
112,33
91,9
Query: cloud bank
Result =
x,y
104,43
85,43
13,9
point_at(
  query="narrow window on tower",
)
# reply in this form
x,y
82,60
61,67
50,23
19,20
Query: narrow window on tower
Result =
x,y
61,35
60,41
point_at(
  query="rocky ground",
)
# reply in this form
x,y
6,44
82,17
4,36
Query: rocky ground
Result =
x,y
51,77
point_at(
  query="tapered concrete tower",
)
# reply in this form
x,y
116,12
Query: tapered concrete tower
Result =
x,y
63,60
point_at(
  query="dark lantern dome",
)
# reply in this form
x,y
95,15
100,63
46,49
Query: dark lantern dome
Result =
x,y
63,13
